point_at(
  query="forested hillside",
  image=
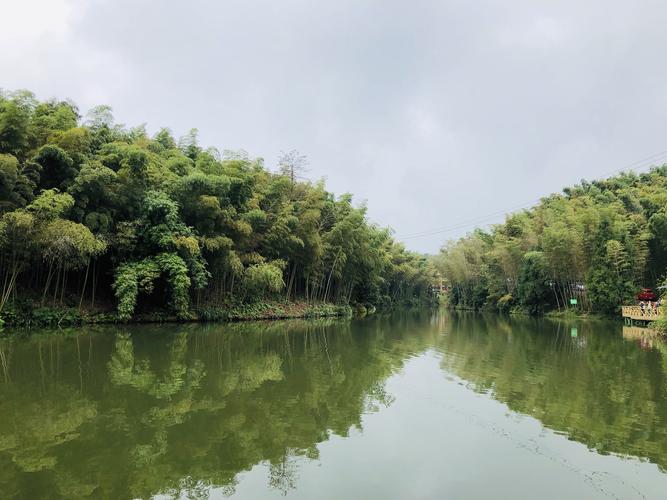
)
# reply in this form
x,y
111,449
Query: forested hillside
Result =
x,y
93,213
598,243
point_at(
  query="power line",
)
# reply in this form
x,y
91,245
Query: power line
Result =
x,y
648,161
467,223
651,161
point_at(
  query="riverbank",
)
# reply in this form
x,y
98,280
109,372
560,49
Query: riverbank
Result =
x,y
574,314
28,317
659,326
520,311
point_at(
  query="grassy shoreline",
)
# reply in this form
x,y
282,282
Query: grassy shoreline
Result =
x,y
659,326
271,310
518,311
554,314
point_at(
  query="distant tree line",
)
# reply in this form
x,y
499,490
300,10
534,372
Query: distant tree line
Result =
x,y
93,212
597,244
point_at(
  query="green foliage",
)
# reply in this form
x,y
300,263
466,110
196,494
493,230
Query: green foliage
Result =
x,y
657,225
24,314
130,279
69,243
105,213
15,115
610,284
23,192
598,243
57,167
267,309
261,280
134,277
51,204
9,166
661,324
177,277
505,303
534,286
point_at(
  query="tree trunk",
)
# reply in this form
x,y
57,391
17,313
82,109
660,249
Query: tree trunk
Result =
x,y
92,299
49,276
85,282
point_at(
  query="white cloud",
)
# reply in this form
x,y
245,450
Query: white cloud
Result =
x,y
36,21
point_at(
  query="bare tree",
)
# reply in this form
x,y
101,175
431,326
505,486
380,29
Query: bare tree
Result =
x,y
293,165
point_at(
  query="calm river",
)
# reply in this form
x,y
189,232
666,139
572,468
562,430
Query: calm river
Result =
x,y
427,405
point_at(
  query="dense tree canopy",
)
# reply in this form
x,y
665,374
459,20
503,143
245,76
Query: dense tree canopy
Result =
x,y
598,242
90,208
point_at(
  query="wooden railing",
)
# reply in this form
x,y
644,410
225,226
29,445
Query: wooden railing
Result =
x,y
645,314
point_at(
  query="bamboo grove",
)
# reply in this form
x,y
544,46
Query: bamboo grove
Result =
x,y
590,248
94,214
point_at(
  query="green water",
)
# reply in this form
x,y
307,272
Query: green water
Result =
x,y
407,406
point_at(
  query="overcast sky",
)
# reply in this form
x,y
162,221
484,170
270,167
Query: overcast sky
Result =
x,y
439,113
